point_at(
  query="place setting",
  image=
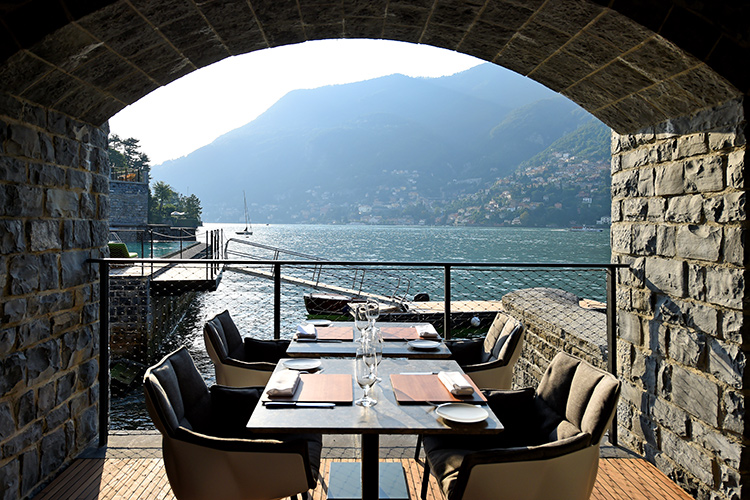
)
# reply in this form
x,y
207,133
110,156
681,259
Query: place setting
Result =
x,y
302,385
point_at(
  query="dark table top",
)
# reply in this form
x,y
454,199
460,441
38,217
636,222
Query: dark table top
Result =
x,y
387,417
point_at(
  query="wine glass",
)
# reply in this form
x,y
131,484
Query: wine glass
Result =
x,y
364,366
376,338
373,311
359,311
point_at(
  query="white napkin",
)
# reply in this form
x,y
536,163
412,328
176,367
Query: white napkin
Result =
x,y
427,332
306,331
283,384
456,383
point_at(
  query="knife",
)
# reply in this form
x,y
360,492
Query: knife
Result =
x,y
418,373
294,404
332,341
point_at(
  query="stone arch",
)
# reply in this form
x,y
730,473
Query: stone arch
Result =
x,y
666,75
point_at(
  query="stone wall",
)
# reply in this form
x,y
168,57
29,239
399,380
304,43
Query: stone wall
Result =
x,y
679,220
53,217
128,203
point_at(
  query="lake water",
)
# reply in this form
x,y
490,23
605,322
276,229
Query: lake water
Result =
x,y
250,307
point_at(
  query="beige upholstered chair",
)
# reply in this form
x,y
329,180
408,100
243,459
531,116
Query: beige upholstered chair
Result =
x,y
490,363
240,362
550,445
208,452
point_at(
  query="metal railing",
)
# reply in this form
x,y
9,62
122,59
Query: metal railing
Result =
x,y
266,301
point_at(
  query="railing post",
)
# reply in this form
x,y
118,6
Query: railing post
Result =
x,y
103,353
612,338
277,301
447,304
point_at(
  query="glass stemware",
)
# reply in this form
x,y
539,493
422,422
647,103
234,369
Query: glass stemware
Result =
x,y
372,311
364,372
376,338
359,311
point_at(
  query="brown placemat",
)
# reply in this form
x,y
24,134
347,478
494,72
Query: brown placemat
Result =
x,y
399,332
335,333
321,388
416,389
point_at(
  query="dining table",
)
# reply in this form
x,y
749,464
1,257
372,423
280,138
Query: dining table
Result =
x,y
408,402
400,339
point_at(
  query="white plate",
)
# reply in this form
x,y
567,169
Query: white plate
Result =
x,y
424,344
319,322
462,412
302,364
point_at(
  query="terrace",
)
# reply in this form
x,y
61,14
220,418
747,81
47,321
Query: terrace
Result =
x,y
667,76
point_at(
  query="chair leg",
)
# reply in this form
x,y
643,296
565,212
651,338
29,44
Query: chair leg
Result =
x,y
418,448
425,478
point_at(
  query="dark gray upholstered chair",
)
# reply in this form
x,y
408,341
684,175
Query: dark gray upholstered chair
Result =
x,y
240,362
549,448
209,453
490,362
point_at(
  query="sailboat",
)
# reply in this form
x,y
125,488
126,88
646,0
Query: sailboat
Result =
x,y
248,227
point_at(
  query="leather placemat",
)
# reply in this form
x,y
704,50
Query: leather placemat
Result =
x,y
321,388
335,333
417,389
399,332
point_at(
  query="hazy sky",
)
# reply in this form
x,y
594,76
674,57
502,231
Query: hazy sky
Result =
x,y
191,112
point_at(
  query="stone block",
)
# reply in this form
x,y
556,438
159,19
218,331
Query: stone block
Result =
x,y
736,170
644,370
725,286
622,240
625,184
733,208
7,341
691,145
629,328
719,140
44,235
10,474
634,209
7,422
616,211
727,362
49,277
695,393
689,456
75,270
23,271
12,237
666,275
45,399
14,310
701,317
685,209
86,427
61,203
730,483
12,170
23,141
66,152
668,179
33,332
79,179
699,242
20,200
43,360
732,323
733,406
727,449
30,436
25,407
704,175
657,208
641,301
666,241
687,347
696,281
87,374
65,387
734,245
671,417
29,471
46,175
54,452
644,239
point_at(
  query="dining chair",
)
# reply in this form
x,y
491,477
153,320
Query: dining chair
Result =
x,y
489,362
548,449
209,453
240,362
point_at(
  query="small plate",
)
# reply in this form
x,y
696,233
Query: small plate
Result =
x,y
319,322
423,344
302,364
462,413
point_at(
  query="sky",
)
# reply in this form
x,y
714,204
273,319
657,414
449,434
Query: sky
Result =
x,y
193,111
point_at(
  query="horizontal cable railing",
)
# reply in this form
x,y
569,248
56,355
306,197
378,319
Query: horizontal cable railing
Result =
x,y
149,307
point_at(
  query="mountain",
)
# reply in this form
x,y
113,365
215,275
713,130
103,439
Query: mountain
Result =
x,y
320,155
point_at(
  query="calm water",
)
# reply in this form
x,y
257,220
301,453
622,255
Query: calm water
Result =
x,y
248,299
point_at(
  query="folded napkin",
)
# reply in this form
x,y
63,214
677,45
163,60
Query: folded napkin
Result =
x,y
283,384
427,332
306,331
456,383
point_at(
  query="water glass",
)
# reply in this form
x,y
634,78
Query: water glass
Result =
x,y
373,311
364,372
359,311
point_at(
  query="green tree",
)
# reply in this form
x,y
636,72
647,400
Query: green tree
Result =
x,y
126,159
165,200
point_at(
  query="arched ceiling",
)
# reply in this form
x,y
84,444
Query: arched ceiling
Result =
x,y
630,63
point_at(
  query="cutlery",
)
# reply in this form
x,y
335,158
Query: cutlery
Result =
x,y
419,373
293,404
331,341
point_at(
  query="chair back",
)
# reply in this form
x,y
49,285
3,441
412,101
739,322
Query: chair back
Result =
x,y
223,337
574,396
176,394
502,338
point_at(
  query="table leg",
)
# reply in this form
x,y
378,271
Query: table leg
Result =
x,y
370,466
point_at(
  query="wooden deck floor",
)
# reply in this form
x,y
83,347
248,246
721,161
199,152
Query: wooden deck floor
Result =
x,y
145,479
